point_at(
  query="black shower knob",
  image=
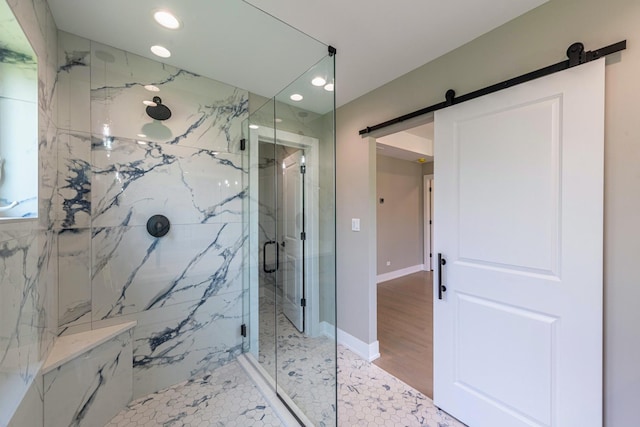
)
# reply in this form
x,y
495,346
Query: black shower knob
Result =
x,y
158,225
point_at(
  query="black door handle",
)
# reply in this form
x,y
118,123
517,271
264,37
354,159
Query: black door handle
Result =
x,y
441,288
264,257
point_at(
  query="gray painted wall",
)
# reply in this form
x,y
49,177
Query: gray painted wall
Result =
x,y
400,220
534,40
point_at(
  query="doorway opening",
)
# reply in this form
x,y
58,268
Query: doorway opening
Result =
x,y
404,183
283,252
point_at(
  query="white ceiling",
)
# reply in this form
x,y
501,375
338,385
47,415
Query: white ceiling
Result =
x,y
231,41
423,131
380,40
399,153
389,145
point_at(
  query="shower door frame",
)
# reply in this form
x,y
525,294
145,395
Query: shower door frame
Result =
x,y
309,144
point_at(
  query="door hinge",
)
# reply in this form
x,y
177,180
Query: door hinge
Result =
x,y
243,144
303,169
303,236
429,189
430,255
243,330
303,302
430,222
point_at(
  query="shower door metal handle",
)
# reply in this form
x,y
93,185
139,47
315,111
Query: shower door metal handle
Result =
x,y
441,288
264,256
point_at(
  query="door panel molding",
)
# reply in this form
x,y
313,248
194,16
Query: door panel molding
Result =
x,y
519,218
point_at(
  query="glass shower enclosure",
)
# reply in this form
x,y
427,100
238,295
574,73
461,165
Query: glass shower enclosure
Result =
x,y
291,215
185,212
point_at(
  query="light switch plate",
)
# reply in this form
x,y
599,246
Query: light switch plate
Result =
x,y
355,224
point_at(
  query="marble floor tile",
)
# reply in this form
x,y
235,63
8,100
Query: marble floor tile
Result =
x,y
305,366
225,397
368,396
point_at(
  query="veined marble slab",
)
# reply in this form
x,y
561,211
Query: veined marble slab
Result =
x,y
206,113
135,272
132,180
23,315
117,167
28,248
90,390
74,83
186,341
48,172
183,341
74,277
31,410
73,201
69,347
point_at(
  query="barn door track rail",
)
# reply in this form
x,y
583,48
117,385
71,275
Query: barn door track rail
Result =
x,y
576,56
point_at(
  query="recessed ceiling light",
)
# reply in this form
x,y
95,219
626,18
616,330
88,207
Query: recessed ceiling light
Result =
x,y
296,97
161,51
254,127
142,135
278,120
152,88
149,103
329,87
318,81
166,19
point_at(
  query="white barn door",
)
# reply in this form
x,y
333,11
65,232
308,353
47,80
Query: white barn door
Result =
x,y
519,221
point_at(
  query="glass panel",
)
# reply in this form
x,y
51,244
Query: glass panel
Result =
x,y
292,239
262,234
246,248
160,217
165,195
305,308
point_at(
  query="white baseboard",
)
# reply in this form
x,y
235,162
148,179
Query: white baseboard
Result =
x,y
400,273
328,330
369,352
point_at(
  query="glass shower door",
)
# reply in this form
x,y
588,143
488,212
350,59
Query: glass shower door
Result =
x,y
259,136
290,283
305,310
291,279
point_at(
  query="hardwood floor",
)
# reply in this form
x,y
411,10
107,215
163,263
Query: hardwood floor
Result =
x,y
405,329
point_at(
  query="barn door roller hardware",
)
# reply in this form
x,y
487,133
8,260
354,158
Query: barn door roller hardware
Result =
x,y
575,53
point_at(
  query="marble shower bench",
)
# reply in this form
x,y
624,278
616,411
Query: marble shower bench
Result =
x,y
88,377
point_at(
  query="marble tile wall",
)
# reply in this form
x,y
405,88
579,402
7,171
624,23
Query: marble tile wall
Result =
x,y
28,247
116,168
72,207
92,388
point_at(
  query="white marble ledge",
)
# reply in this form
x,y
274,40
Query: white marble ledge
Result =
x,y
69,347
